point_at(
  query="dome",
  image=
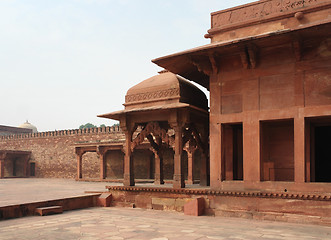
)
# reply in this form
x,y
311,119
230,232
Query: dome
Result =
x,y
163,89
28,126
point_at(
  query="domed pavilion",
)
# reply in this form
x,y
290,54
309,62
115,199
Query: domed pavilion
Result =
x,y
29,126
169,112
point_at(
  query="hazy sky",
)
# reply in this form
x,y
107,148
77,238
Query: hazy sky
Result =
x,y
62,62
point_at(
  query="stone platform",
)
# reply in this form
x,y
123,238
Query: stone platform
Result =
x,y
311,208
26,190
22,196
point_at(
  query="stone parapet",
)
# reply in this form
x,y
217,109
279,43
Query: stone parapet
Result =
x,y
266,16
300,196
84,131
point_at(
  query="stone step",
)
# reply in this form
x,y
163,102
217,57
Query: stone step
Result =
x,y
42,211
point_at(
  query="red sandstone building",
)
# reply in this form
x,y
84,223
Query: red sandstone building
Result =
x,y
269,124
268,71
14,163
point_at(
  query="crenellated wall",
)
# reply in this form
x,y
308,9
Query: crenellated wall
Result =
x,y
115,129
54,152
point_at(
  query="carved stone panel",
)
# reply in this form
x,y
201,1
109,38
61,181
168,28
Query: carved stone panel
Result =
x,y
259,10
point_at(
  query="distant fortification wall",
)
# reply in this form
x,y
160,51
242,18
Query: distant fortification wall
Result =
x,y
54,152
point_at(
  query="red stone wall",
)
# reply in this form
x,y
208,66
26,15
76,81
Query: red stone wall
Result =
x,y
91,165
286,84
115,164
278,82
8,170
54,155
286,207
54,152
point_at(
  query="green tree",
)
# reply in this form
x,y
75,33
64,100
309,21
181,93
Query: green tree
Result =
x,y
87,125
102,125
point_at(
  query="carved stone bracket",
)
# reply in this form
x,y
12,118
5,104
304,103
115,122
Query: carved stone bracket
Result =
x,y
244,59
214,63
101,150
79,151
191,146
208,65
248,56
150,131
192,140
202,67
252,55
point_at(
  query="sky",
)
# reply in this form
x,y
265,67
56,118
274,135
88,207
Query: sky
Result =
x,y
64,62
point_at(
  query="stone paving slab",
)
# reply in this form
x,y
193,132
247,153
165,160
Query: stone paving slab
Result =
x,y
26,190
123,223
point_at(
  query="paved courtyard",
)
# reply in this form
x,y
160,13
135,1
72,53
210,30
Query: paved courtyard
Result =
x,y
123,223
26,190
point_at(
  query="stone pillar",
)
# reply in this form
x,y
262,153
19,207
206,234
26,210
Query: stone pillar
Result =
x,y
178,181
299,150
26,165
217,171
2,164
79,157
204,170
103,166
128,161
190,166
251,150
158,175
149,155
204,161
2,168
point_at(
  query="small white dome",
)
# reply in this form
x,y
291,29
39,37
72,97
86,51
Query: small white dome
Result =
x,y
28,126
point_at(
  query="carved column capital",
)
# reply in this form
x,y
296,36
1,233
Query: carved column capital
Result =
x,y
79,151
101,150
3,156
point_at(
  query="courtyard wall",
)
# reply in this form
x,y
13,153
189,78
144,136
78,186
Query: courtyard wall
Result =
x,y
54,152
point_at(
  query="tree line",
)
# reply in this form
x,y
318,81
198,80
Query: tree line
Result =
x,y
90,125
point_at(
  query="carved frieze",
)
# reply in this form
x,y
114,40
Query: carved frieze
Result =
x,y
141,97
258,10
